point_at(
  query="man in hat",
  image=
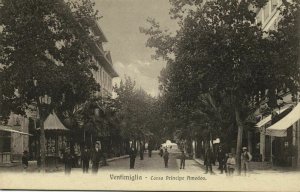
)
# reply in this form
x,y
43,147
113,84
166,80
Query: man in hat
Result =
x,y
132,155
85,158
166,157
246,157
25,160
96,157
222,160
68,160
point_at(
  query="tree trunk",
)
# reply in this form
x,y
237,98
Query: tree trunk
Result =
x,y
239,139
43,145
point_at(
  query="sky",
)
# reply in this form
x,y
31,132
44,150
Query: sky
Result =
x,y
120,22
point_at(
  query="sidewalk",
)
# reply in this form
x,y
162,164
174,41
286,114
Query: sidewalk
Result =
x,y
32,166
254,167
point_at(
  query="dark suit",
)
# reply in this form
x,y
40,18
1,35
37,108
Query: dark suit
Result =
x,y
132,155
85,158
96,157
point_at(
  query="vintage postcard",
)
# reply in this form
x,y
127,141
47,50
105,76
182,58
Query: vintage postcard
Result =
x,y
150,95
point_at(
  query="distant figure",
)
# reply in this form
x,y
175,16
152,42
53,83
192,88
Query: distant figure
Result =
x,y
85,159
142,152
166,157
230,164
96,157
222,160
39,163
68,160
25,160
182,160
208,158
246,157
161,151
149,151
132,156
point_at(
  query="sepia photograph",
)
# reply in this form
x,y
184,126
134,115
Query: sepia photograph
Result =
x,y
150,95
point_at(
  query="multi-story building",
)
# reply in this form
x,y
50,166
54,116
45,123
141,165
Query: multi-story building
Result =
x,y
278,138
106,72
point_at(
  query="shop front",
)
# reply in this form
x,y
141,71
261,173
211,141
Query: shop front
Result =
x,y
8,143
285,139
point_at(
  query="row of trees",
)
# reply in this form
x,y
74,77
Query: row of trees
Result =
x,y
45,50
221,65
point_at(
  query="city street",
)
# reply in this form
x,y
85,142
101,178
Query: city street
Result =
x,y
155,163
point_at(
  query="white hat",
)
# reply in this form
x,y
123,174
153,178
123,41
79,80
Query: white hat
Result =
x,y
244,148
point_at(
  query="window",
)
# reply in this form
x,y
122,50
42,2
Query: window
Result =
x,y
5,141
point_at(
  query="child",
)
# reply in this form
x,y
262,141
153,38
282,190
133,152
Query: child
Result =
x,y
230,164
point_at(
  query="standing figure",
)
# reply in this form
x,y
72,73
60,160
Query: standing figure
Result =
x,y
96,157
245,159
132,156
150,151
230,164
25,160
166,157
85,160
68,160
161,151
221,160
182,160
142,152
208,157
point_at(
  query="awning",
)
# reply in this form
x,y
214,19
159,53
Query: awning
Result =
x,y
53,123
269,117
279,129
9,129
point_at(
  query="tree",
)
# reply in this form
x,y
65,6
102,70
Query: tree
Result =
x,y
46,42
217,49
134,111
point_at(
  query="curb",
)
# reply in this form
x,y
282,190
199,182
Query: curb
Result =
x,y
117,158
201,163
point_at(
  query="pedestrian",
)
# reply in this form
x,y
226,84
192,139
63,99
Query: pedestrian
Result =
x,y
182,160
39,163
246,157
161,151
230,164
166,157
85,160
132,156
25,160
68,161
96,157
142,152
77,154
150,151
208,158
222,160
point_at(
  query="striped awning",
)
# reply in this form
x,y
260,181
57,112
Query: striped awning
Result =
x,y
52,123
279,129
269,117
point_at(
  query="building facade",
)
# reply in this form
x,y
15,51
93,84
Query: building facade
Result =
x,y
106,72
277,138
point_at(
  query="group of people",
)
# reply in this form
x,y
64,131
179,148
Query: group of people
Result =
x,y
133,154
94,156
227,161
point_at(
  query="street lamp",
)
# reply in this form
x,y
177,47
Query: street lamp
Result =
x,y
43,103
